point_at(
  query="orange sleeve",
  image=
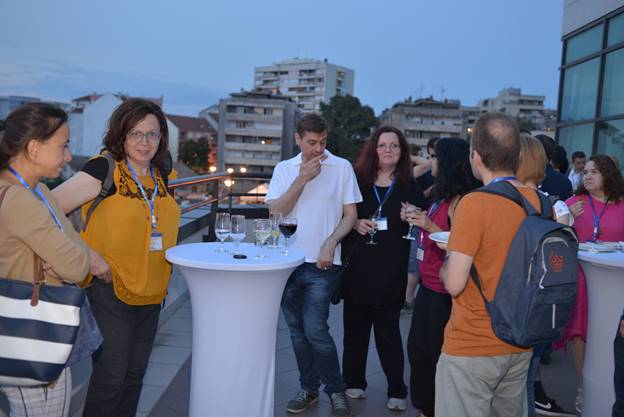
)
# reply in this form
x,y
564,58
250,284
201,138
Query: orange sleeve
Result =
x,y
468,226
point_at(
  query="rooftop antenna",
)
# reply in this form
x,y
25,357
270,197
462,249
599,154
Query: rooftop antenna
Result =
x,y
442,91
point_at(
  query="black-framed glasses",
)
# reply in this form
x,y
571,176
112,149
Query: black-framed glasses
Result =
x,y
135,136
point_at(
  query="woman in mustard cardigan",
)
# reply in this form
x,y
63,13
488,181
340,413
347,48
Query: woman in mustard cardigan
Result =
x,y
129,232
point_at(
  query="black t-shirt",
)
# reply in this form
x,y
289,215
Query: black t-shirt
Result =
x,y
98,168
377,275
556,184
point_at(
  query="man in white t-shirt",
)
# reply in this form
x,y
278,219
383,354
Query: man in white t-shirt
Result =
x,y
319,190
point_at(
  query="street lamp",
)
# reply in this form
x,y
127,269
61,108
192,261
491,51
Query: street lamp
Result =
x,y
230,170
212,169
243,169
228,183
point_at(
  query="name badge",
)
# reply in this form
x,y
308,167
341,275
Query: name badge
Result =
x,y
382,223
156,242
420,254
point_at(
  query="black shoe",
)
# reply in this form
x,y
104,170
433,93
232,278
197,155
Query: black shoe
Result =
x,y
547,406
301,402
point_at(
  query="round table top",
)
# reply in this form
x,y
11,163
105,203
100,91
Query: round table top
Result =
x,y
205,256
608,259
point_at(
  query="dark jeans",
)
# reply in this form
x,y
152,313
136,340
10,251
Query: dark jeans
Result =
x,y
358,321
305,304
618,379
534,365
119,365
424,344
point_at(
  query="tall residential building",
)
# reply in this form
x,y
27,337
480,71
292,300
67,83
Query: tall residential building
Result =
x,y
525,107
255,130
10,103
425,118
309,82
591,94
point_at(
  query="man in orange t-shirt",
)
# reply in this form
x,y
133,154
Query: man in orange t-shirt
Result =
x,y
478,374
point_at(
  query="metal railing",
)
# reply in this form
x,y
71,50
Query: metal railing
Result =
x,y
218,191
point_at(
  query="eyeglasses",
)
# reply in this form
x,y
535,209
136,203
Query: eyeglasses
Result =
x,y
391,146
135,136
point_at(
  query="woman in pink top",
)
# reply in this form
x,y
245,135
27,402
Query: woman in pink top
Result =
x,y
450,165
598,210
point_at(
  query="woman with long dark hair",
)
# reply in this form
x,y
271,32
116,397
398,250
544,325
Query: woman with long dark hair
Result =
x,y
374,287
432,306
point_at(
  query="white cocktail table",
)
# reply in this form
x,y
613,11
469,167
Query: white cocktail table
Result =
x,y
235,304
604,273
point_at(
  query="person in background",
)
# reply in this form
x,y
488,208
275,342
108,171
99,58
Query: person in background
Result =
x,y
576,172
598,210
320,190
555,183
129,231
478,374
618,374
560,160
33,145
424,178
374,284
531,172
450,166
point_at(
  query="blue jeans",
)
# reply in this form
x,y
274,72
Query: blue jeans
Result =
x,y
533,367
618,378
305,304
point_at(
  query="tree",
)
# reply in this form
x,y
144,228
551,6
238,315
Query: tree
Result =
x,y
194,153
350,123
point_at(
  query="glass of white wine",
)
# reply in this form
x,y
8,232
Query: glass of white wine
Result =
x,y
223,226
263,231
275,219
238,233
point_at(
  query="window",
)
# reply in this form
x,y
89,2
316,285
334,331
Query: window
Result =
x,y
241,125
611,138
577,138
580,89
616,30
268,111
613,86
584,44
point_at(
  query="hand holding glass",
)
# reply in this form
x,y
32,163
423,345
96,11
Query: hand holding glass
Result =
x,y
371,232
409,210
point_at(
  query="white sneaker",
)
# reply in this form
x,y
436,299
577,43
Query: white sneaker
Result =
x,y
355,393
578,401
397,404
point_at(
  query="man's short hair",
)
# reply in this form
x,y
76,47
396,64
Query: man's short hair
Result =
x,y
549,144
312,123
577,155
496,138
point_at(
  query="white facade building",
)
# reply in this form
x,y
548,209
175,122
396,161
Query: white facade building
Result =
x,y
307,81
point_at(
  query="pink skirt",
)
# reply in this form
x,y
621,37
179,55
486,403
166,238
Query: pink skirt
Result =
x,y
577,324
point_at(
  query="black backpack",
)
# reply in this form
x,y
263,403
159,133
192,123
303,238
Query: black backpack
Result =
x,y
75,217
537,287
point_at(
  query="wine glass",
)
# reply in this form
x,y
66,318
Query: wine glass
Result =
x,y
263,231
223,226
238,231
288,227
275,219
410,210
371,232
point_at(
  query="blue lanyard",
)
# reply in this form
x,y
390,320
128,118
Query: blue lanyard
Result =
x,y
596,217
37,192
386,196
499,179
430,213
150,204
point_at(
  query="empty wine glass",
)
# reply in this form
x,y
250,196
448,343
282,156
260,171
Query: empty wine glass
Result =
x,y
275,219
288,227
238,231
263,231
223,226
410,210
371,232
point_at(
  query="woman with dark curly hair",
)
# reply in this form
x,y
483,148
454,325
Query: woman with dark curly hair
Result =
x,y
598,210
432,307
129,232
374,286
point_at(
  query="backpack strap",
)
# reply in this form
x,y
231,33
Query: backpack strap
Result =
x,y
166,168
506,190
107,185
474,275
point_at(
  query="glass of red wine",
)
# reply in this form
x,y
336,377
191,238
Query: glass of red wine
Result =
x,y
288,227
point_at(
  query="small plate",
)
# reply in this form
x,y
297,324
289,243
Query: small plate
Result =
x,y
599,247
440,237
